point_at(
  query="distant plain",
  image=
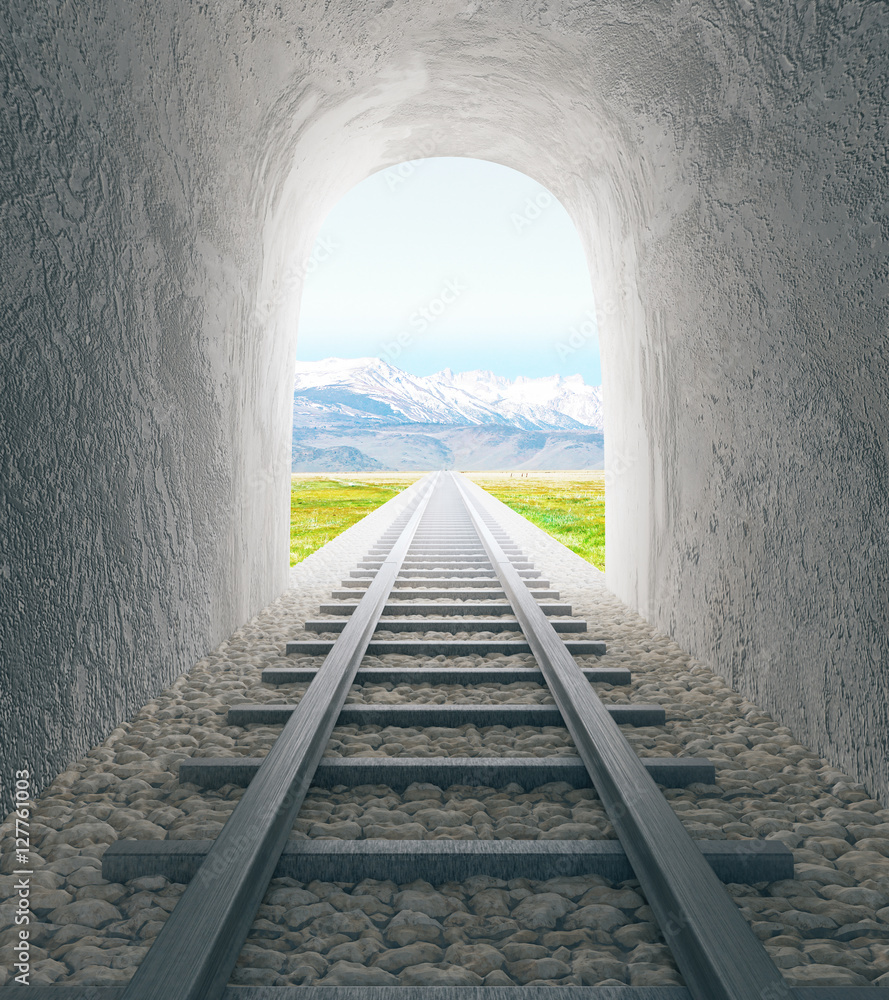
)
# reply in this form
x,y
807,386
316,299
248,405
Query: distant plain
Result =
x,y
570,505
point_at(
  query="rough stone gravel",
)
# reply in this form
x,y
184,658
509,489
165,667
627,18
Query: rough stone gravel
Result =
x,y
830,926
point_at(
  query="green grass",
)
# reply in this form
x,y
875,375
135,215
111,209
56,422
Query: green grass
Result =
x,y
570,508
321,508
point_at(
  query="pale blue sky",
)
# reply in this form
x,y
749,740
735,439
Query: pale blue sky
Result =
x,y
451,263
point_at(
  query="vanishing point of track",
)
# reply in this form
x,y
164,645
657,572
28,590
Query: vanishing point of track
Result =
x,y
447,546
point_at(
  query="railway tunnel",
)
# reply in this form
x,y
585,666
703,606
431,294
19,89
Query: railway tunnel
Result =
x,y
165,171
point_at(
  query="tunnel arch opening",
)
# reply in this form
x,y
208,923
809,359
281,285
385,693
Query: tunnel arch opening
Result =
x,y
542,110
447,319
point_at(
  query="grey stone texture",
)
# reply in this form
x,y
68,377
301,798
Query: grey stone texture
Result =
x,y
829,925
165,170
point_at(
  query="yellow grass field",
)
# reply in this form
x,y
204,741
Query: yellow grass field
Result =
x,y
570,506
322,506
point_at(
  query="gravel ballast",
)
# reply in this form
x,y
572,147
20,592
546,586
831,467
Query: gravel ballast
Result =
x,y
829,926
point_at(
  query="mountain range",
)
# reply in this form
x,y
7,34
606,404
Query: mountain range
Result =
x,y
363,414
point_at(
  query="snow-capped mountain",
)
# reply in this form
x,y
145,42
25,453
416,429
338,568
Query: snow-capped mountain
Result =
x,y
372,391
363,414
545,402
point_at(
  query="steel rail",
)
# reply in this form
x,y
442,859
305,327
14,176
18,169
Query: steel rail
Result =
x,y
600,755
197,948
718,954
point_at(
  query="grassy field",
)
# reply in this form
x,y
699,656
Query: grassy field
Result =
x,y
321,506
570,506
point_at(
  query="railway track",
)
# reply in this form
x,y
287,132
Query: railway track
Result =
x,y
445,556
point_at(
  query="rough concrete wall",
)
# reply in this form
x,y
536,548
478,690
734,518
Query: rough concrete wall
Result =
x,y
763,370
167,171
133,444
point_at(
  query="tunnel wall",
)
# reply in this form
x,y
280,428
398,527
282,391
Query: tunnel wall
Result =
x,y
142,487
165,172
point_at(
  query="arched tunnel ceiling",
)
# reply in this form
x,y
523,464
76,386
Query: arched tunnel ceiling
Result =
x,y
471,86
168,170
